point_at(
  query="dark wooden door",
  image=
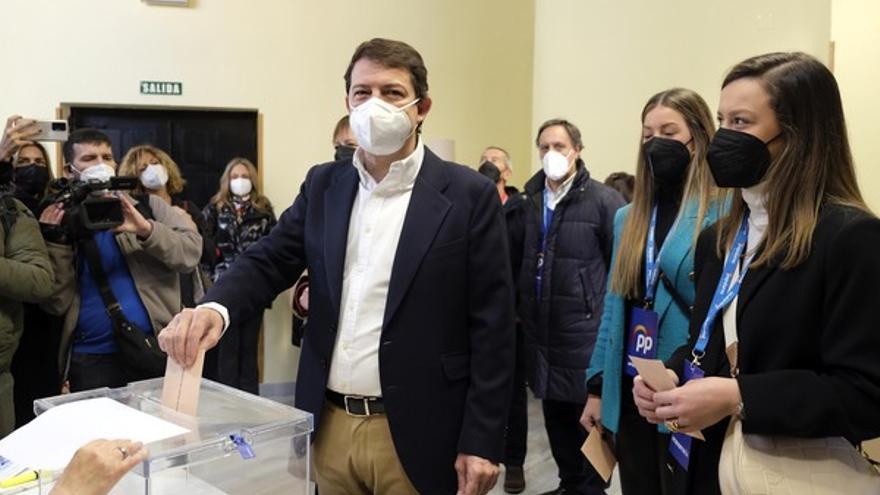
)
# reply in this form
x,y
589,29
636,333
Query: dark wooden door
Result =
x,y
201,142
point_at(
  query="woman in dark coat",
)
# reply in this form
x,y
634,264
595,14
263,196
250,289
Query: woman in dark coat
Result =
x,y
237,217
799,248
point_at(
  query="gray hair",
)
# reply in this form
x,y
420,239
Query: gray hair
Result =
x,y
507,160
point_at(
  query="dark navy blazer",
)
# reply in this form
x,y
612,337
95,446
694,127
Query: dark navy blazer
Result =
x,y
446,350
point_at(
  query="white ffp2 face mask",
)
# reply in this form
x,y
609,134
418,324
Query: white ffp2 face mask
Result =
x,y
99,172
241,186
555,165
380,127
154,177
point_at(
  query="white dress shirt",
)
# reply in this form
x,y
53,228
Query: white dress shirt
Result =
x,y
551,197
374,229
373,234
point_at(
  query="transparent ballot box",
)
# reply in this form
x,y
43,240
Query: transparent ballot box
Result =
x,y
239,444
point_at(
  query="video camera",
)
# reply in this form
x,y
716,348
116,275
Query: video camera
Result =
x,y
87,205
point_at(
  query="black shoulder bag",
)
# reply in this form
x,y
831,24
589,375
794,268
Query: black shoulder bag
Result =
x,y
687,309
140,350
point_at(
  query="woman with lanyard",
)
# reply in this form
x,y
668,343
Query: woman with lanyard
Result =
x,y
783,335
647,305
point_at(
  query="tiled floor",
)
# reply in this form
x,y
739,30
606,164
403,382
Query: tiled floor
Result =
x,y
540,469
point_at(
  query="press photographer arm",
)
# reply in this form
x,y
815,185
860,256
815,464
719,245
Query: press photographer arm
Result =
x,y
133,221
61,256
17,133
173,241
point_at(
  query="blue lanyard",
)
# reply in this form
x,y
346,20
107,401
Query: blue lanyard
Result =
x,y
545,227
652,265
727,287
652,257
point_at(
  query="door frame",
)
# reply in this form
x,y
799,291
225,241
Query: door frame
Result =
x,y
62,112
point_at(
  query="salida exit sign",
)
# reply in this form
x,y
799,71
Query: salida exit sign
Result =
x,y
172,88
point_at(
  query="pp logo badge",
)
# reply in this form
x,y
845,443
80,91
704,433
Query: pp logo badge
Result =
x,y
644,342
642,338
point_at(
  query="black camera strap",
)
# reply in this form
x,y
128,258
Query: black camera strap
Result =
x,y
114,310
141,347
139,350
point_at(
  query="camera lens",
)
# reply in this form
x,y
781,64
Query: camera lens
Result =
x,y
59,126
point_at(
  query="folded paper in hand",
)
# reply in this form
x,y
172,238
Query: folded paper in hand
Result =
x,y
599,454
654,373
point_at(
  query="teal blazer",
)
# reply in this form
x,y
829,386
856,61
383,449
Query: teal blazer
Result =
x,y
677,262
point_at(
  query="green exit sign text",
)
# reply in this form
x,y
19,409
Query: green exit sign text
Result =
x,y
173,88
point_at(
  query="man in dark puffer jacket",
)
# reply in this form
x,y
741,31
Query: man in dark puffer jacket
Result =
x,y
565,230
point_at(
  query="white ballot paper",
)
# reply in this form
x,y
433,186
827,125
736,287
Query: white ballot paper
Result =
x,y
50,440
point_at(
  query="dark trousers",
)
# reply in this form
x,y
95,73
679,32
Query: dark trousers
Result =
x,y
518,416
566,435
90,371
237,355
641,450
35,364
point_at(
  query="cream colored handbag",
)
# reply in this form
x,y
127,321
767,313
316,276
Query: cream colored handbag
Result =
x,y
776,465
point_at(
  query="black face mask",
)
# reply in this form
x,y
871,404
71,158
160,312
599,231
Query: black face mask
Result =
x,y
738,159
6,173
32,179
491,171
343,152
668,160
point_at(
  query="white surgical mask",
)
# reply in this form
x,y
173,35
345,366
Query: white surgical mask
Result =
x,y
154,177
241,186
380,127
555,165
100,172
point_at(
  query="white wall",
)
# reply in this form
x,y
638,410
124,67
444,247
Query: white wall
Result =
x,y
855,30
283,57
597,62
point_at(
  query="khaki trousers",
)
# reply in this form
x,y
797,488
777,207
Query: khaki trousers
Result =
x,y
355,455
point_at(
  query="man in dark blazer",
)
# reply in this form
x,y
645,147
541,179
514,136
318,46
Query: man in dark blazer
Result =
x,y
411,326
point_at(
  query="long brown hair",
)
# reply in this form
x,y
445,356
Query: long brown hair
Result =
x,y
39,146
814,165
626,278
129,166
224,194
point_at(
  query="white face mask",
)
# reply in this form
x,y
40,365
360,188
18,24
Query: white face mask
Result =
x,y
240,186
154,177
555,165
380,127
100,172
